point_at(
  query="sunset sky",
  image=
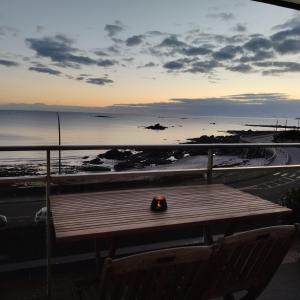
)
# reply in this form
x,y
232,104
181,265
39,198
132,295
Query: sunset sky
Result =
x,y
106,52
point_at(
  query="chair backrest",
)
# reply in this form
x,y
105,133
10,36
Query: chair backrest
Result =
x,y
179,273
242,262
247,261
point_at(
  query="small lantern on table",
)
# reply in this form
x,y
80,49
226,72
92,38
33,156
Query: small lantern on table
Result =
x,y
159,203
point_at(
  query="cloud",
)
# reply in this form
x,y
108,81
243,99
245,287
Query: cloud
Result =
x,y
284,34
174,65
60,49
8,30
223,16
176,46
239,54
242,68
113,49
8,63
203,66
172,42
113,29
99,81
148,65
45,70
241,105
193,66
106,62
155,32
227,52
289,46
279,67
40,28
239,27
258,97
194,51
258,43
292,22
258,56
100,53
128,59
287,41
135,40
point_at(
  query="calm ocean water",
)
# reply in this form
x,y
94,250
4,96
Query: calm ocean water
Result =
x,y
40,128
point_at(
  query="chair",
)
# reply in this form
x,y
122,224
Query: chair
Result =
x,y
178,273
247,261
241,262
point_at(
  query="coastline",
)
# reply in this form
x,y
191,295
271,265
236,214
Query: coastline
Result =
x,y
114,160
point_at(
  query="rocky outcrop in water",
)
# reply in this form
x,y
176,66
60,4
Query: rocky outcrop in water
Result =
x,y
93,168
95,161
145,158
156,127
116,154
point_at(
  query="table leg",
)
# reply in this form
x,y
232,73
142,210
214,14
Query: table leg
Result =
x,y
112,248
230,229
98,257
207,235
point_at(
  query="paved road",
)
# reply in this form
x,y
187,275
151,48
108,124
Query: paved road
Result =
x,y
20,211
272,185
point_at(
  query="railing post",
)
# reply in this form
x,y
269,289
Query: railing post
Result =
x,y
48,227
209,166
59,142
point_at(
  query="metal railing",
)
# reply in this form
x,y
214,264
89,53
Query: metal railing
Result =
x,y
208,171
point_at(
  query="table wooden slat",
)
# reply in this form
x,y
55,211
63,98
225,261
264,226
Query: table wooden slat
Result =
x,y
113,213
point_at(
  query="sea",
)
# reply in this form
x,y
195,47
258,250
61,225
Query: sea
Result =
x,y
82,128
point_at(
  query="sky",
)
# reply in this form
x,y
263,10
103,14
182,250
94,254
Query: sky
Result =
x,y
99,53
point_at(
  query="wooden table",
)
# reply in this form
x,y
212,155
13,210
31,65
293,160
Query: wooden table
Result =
x,y
117,213
109,215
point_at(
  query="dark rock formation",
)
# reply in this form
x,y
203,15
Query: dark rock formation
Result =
x,y
95,161
145,158
156,127
116,154
21,170
93,168
204,139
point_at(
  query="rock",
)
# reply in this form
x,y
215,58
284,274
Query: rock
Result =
x,y
95,161
85,157
125,165
156,127
93,168
102,116
22,170
204,139
116,154
178,154
144,159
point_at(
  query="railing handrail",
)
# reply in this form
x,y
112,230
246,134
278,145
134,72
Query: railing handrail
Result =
x,y
146,146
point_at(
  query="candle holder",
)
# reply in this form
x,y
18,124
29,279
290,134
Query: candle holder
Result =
x,y
159,203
